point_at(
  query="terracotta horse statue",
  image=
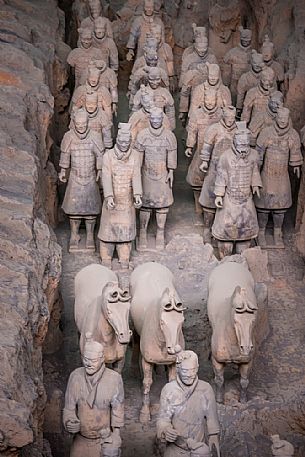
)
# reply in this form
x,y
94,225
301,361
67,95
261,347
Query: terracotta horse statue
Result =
x,y
233,300
102,309
158,315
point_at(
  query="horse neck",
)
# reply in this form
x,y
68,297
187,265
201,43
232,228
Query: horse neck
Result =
x,y
152,322
106,331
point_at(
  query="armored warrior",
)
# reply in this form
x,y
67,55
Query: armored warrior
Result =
x,y
237,61
198,33
158,146
278,146
150,57
257,98
214,82
164,52
79,58
161,96
107,47
237,178
249,79
93,85
218,138
268,56
109,80
94,405
81,153
140,28
187,419
95,8
201,118
122,187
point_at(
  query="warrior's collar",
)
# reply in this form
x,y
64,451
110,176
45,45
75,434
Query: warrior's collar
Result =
x,y
280,131
187,390
156,132
210,112
121,155
93,115
263,91
229,129
88,87
81,136
244,48
148,18
239,156
92,384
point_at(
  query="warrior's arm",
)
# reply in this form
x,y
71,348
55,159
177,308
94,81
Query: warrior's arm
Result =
x,y
113,56
117,406
137,178
166,412
184,98
262,145
172,152
241,93
295,154
221,178
208,145
71,396
227,69
65,155
170,112
134,34
192,132
107,177
247,108
107,137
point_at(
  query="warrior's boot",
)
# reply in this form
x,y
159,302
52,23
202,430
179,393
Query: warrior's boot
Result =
x,y
106,253
198,208
208,218
278,219
74,237
124,250
262,218
161,220
144,220
90,224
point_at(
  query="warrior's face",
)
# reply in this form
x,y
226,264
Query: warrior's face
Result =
x,y
151,59
267,52
213,77
257,63
245,41
266,81
242,144
91,103
147,103
95,8
156,120
81,124
93,77
92,363
100,30
201,47
275,103
229,117
148,7
282,118
210,101
154,81
158,36
86,41
187,371
123,142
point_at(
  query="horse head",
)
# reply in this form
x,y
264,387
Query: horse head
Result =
x,y
244,316
115,307
171,320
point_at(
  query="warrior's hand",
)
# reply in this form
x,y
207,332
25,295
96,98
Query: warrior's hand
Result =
x,y
73,426
98,175
204,167
255,190
188,152
218,202
110,203
62,175
183,118
130,55
137,201
114,109
170,434
214,441
297,171
170,178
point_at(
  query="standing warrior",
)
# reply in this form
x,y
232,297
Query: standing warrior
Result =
x,y
98,120
95,8
218,138
150,57
140,28
257,98
268,56
237,178
161,96
81,153
187,411
122,187
248,80
279,146
237,61
94,405
201,118
164,52
198,32
159,148
80,57
107,47
109,80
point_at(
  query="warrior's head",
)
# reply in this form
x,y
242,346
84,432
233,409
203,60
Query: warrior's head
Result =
x,y
267,50
149,7
210,98
124,138
93,355
93,77
91,101
154,77
257,62
156,118
199,32
245,37
80,121
187,367
229,115
282,118
213,73
241,139
95,8
85,37
151,56
201,46
99,28
147,101
156,33
276,100
267,78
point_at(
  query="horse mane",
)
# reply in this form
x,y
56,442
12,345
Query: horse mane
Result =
x,y
241,302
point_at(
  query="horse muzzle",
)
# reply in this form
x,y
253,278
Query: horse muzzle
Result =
x,y
124,338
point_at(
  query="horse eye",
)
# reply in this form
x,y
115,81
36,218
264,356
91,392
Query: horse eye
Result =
x,y
168,306
179,305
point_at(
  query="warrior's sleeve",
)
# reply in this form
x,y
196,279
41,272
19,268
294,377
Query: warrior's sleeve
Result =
x,y
113,56
262,144
212,417
107,137
99,150
136,102
169,60
105,101
166,412
65,156
136,178
113,82
164,78
71,59
256,177
140,142
227,68
302,133
226,96
71,397
280,73
171,151
170,110
247,109
107,176
109,30
185,94
196,98
192,131
209,141
134,34
221,177
295,156
241,92
117,404
77,100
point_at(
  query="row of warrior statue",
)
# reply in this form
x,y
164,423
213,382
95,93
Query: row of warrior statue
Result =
x,y
241,142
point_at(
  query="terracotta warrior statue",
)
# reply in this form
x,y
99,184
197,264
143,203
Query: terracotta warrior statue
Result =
x,y
268,56
94,405
217,139
237,61
213,81
150,57
198,33
248,80
257,98
279,147
96,10
201,118
237,178
79,58
106,45
141,26
122,187
188,420
81,153
281,448
93,84
161,96
109,80
164,52
158,145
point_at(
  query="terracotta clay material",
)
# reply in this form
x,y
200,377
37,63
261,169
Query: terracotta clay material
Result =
x,y
237,178
268,56
106,46
188,421
102,308
81,153
279,147
164,52
281,448
232,311
122,188
158,147
157,314
94,405
96,10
